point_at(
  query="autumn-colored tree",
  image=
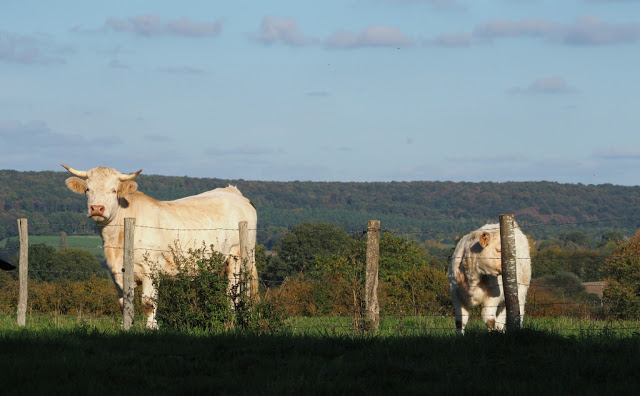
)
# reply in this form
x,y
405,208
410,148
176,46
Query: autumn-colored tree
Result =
x,y
622,277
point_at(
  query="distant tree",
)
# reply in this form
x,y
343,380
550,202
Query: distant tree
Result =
x,y
299,249
51,265
622,277
585,264
271,236
610,239
575,240
565,283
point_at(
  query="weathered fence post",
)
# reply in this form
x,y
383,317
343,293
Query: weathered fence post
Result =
x,y
372,309
23,272
128,279
509,271
243,229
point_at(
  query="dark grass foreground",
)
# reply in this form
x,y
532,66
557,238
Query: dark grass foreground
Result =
x,y
87,361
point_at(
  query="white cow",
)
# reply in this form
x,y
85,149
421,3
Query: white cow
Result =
x,y
475,276
211,217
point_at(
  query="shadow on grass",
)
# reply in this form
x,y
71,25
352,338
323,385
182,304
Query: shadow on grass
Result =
x,y
91,361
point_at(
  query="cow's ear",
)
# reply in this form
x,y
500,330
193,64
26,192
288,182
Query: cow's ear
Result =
x,y
485,238
126,188
76,184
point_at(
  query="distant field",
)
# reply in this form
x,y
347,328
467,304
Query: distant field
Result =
x,y
92,243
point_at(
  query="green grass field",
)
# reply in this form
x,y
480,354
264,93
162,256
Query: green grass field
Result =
x,y
92,243
55,355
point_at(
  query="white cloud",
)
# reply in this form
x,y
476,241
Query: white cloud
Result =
x,y
618,153
36,134
182,70
241,150
440,5
460,39
589,30
280,30
506,28
151,25
29,49
550,85
116,64
372,36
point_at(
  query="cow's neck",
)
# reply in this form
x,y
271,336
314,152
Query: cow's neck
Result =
x,y
112,234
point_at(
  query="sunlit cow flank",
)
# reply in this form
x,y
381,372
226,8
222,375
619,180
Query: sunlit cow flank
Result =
x,y
211,217
475,276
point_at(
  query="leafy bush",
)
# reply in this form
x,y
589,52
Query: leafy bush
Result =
x,y
197,295
96,297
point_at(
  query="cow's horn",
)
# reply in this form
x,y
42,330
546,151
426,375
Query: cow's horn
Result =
x,y
75,172
130,176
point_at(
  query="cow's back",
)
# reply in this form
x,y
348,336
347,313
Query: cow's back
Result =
x,y
210,218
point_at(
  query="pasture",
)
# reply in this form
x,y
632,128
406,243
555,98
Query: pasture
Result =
x,y
92,243
411,355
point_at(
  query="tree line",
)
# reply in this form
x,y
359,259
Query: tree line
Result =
x,y
439,211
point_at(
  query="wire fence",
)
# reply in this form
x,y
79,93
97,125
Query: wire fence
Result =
x,y
538,303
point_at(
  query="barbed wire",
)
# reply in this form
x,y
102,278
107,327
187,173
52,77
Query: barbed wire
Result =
x,y
362,231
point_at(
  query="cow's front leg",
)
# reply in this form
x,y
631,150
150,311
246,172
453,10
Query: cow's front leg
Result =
x,y
489,308
149,300
501,316
118,279
462,313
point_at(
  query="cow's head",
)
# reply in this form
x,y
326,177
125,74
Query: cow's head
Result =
x,y
487,252
104,188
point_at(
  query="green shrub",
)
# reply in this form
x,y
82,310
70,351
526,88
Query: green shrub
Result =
x,y
197,295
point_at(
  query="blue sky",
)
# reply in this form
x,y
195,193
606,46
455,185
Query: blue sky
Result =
x,y
352,90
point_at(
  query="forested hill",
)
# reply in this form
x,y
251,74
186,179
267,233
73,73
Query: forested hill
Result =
x,y
429,210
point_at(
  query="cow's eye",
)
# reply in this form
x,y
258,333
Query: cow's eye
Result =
x,y
86,190
114,191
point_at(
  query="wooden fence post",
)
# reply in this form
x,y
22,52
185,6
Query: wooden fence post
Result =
x,y
243,229
372,309
23,272
509,271
128,279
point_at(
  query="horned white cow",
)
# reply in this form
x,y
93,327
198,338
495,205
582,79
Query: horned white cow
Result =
x,y
211,217
475,276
